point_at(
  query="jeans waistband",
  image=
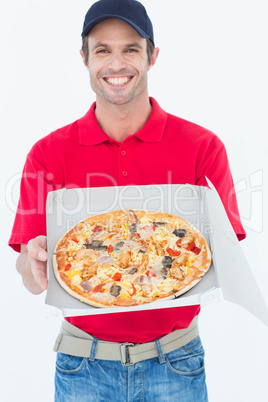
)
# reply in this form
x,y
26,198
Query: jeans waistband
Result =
x,y
73,341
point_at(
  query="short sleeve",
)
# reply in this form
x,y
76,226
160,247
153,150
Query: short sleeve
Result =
x,y
30,219
214,164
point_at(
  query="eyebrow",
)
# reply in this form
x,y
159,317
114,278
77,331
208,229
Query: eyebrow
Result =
x,y
135,44
101,44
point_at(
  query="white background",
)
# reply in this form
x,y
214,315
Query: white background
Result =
x,y
212,70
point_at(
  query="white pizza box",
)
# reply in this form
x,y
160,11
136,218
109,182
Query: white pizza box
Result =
x,y
229,274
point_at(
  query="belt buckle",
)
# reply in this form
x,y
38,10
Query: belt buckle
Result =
x,y
124,351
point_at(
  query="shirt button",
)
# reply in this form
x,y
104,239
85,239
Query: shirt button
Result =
x,y
123,153
124,173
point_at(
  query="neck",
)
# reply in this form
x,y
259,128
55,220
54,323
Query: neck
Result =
x,y
121,121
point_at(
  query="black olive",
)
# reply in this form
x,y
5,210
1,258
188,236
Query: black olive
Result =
x,y
133,227
159,223
142,251
96,245
167,265
179,232
115,290
167,261
133,271
164,272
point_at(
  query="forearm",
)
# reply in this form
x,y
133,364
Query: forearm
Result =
x,y
23,267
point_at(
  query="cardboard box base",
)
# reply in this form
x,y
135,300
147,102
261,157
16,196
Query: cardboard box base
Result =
x,y
201,206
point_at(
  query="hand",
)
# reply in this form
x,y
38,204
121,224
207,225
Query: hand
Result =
x,y
37,256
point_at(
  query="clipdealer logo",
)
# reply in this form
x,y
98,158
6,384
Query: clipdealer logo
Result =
x,y
249,191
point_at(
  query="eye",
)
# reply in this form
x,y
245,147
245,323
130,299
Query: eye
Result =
x,y
102,51
132,50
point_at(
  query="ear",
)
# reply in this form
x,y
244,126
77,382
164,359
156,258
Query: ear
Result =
x,y
154,57
83,57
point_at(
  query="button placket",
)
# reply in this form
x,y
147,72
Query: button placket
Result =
x,y
123,168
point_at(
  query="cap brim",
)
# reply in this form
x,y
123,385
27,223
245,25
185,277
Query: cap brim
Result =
x,y
90,26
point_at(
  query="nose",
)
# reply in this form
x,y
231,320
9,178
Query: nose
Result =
x,y
116,61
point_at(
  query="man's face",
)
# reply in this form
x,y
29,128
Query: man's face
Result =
x,y
118,62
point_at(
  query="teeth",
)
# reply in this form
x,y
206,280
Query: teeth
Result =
x,y
118,81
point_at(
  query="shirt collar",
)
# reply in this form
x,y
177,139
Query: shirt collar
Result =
x,y
90,132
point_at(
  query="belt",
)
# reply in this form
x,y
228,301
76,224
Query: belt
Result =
x,y
73,341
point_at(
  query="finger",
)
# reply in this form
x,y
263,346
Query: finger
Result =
x,y
37,253
42,241
43,282
39,271
39,241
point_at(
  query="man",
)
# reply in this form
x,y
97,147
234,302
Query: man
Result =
x,y
125,138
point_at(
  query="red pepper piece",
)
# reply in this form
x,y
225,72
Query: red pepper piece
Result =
x,y
154,227
68,266
110,248
98,288
147,273
191,246
73,238
97,229
117,277
178,242
196,250
134,289
173,253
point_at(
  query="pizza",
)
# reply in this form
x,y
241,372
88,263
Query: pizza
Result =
x,y
129,258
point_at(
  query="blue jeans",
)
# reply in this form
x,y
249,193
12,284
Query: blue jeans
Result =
x,y
177,376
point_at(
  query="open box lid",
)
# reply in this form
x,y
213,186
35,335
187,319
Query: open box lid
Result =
x,y
235,277
201,206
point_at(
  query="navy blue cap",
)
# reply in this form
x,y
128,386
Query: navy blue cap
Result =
x,y
130,11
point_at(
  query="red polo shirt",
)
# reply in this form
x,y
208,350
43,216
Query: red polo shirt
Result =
x,y
167,149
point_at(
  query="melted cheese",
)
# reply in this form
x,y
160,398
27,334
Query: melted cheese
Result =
x,y
126,286
144,219
71,273
76,280
125,296
104,272
192,259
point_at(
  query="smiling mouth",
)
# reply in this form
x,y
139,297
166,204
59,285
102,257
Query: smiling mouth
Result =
x,y
118,81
